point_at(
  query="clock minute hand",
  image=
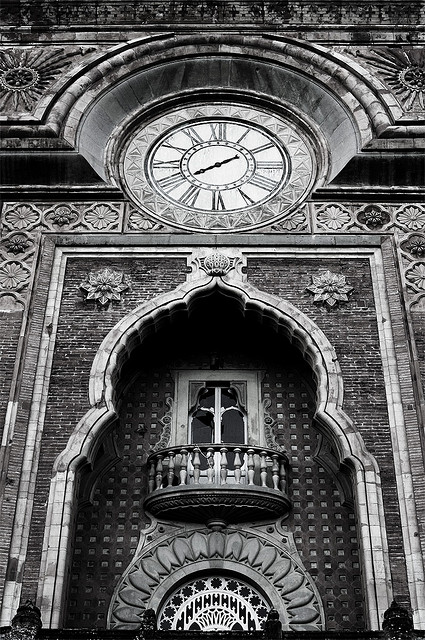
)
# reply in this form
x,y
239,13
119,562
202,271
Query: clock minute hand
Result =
x,y
216,165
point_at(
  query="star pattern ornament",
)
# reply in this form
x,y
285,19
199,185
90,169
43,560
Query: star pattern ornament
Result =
x,y
329,288
104,286
25,74
403,69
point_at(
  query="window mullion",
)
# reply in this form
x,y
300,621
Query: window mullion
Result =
x,y
217,415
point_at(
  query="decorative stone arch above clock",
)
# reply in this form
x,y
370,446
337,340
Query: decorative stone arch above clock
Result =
x,y
154,75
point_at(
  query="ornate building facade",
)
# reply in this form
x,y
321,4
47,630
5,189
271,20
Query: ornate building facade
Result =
x,y
212,299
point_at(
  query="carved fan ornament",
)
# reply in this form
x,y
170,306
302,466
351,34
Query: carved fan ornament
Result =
x,y
25,74
157,568
403,69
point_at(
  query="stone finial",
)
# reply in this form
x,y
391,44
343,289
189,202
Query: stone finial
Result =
x,y
272,626
148,626
397,621
26,623
216,264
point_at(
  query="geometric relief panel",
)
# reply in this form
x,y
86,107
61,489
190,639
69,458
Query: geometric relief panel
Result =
x,y
322,523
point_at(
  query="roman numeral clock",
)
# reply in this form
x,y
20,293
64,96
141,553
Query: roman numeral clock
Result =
x,y
217,167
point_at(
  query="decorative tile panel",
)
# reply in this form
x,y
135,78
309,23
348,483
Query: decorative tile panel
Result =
x,y
377,217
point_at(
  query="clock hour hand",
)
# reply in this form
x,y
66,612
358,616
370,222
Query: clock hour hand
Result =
x,y
216,165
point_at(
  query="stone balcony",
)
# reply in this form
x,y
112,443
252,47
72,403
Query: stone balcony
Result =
x,y
216,484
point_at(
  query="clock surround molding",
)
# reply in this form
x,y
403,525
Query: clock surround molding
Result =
x,y
300,150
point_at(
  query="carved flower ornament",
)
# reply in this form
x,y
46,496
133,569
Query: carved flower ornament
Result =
x,y
416,276
403,69
101,216
373,217
22,217
412,217
104,286
333,217
26,73
329,288
13,275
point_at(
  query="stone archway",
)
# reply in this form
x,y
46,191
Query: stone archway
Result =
x,y
327,91
116,350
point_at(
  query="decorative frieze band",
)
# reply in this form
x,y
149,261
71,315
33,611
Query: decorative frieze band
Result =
x,y
59,217
342,218
23,223
315,12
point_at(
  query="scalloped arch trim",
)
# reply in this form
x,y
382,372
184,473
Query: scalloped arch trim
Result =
x,y
118,346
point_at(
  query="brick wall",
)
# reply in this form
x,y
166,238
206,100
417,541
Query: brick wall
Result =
x,y
82,327
352,330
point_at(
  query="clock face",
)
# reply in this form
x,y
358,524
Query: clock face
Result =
x,y
217,167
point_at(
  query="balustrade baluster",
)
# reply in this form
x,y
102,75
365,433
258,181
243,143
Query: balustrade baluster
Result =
x,y
159,469
275,471
238,464
210,460
196,465
151,482
171,465
263,467
282,477
250,465
223,466
183,466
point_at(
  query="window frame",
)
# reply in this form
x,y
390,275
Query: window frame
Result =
x,y
181,422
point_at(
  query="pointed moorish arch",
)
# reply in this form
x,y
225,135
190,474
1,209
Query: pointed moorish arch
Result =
x,y
117,348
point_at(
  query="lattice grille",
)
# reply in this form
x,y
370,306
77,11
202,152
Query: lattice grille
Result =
x,y
214,604
325,530
107,531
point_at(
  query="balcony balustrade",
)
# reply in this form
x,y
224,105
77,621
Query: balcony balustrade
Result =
x,y
216,483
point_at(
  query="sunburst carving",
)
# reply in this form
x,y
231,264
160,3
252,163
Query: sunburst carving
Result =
x,y
403,69
25,74
230,547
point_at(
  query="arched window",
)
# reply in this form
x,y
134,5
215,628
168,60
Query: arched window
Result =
x,y
214,603
218,416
